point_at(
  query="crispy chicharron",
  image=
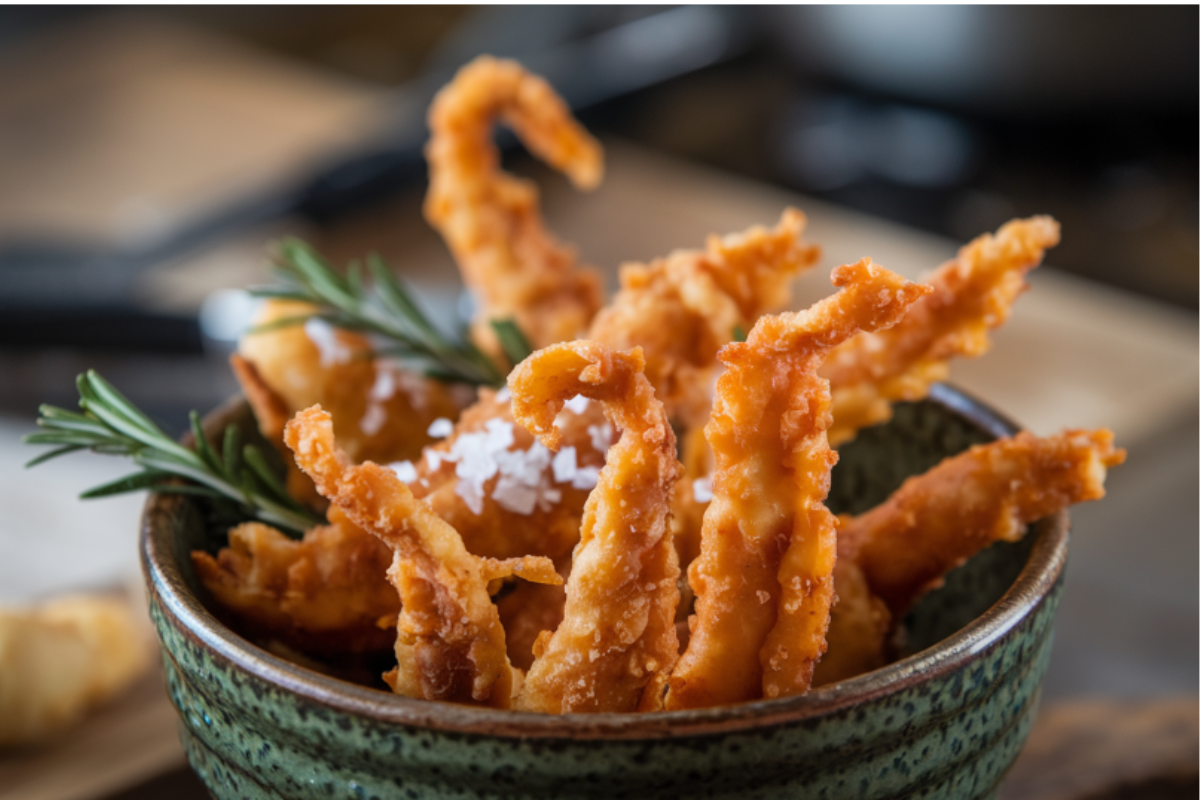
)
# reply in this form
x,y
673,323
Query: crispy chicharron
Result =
x,y
763,581
617,636
490,219
449,643
972,294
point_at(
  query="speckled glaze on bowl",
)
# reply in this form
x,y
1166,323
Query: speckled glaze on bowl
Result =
x,y
944,722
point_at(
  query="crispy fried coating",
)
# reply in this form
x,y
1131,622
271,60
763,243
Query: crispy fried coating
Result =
x,y
449,643
496,528
325,595
972,294
381,412
61,659
272,413
859,628
617,639
489,525
682,308
763,581
687,509
936,521
490,219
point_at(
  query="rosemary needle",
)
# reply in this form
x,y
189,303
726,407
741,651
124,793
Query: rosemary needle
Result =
x,y
384,306
109,423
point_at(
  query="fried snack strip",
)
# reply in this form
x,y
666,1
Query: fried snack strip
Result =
x,y
381,412
449,642
490,219
763,581
859,626
508,496
936,521
617,639
682,308
62,658
325,595
972,294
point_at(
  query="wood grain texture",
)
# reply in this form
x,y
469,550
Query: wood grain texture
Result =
x,y
1107,749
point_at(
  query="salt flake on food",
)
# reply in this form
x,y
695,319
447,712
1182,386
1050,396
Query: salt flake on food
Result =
x,y
602,436
586,478
404,470
372,419
385,384
702,489
440,428
577,404
472,495
515,495
325,337
564,465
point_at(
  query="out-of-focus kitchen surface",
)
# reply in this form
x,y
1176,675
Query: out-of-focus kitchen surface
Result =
x,y
149,157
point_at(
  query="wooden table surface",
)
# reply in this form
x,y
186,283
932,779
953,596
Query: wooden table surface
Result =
x,y
1120,693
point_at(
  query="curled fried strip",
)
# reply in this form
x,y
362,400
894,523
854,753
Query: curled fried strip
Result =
x,y
324,595
972,294
763,581
936,521
449,643
380,411
617,639
490,219
682,308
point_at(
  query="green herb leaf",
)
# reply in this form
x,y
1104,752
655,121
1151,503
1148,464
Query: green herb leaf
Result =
x,y
512,341
113,425
385,308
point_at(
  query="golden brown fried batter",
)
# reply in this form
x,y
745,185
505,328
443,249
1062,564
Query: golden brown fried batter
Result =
x,y
859,627
617,639
490,219
682,308
540,512
936,521
972,294
324,595
763,581
449,643
381,412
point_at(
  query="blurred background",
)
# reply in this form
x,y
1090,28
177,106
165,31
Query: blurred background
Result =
x,y
148,157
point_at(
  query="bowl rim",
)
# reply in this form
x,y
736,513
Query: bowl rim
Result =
x,y
1040,573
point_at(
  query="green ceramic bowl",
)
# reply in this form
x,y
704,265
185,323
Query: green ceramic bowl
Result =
x,y
946,721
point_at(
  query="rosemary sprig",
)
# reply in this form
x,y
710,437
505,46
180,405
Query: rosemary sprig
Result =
x,y
111,424
387,309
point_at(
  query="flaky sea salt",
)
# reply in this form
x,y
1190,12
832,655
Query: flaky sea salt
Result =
x,y
324,336
702,489
577,404
479,456
372,419
564,465
404,470
602,436
515,496
586,478
440,428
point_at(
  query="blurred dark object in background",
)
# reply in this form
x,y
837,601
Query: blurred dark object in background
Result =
x,y
948,119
